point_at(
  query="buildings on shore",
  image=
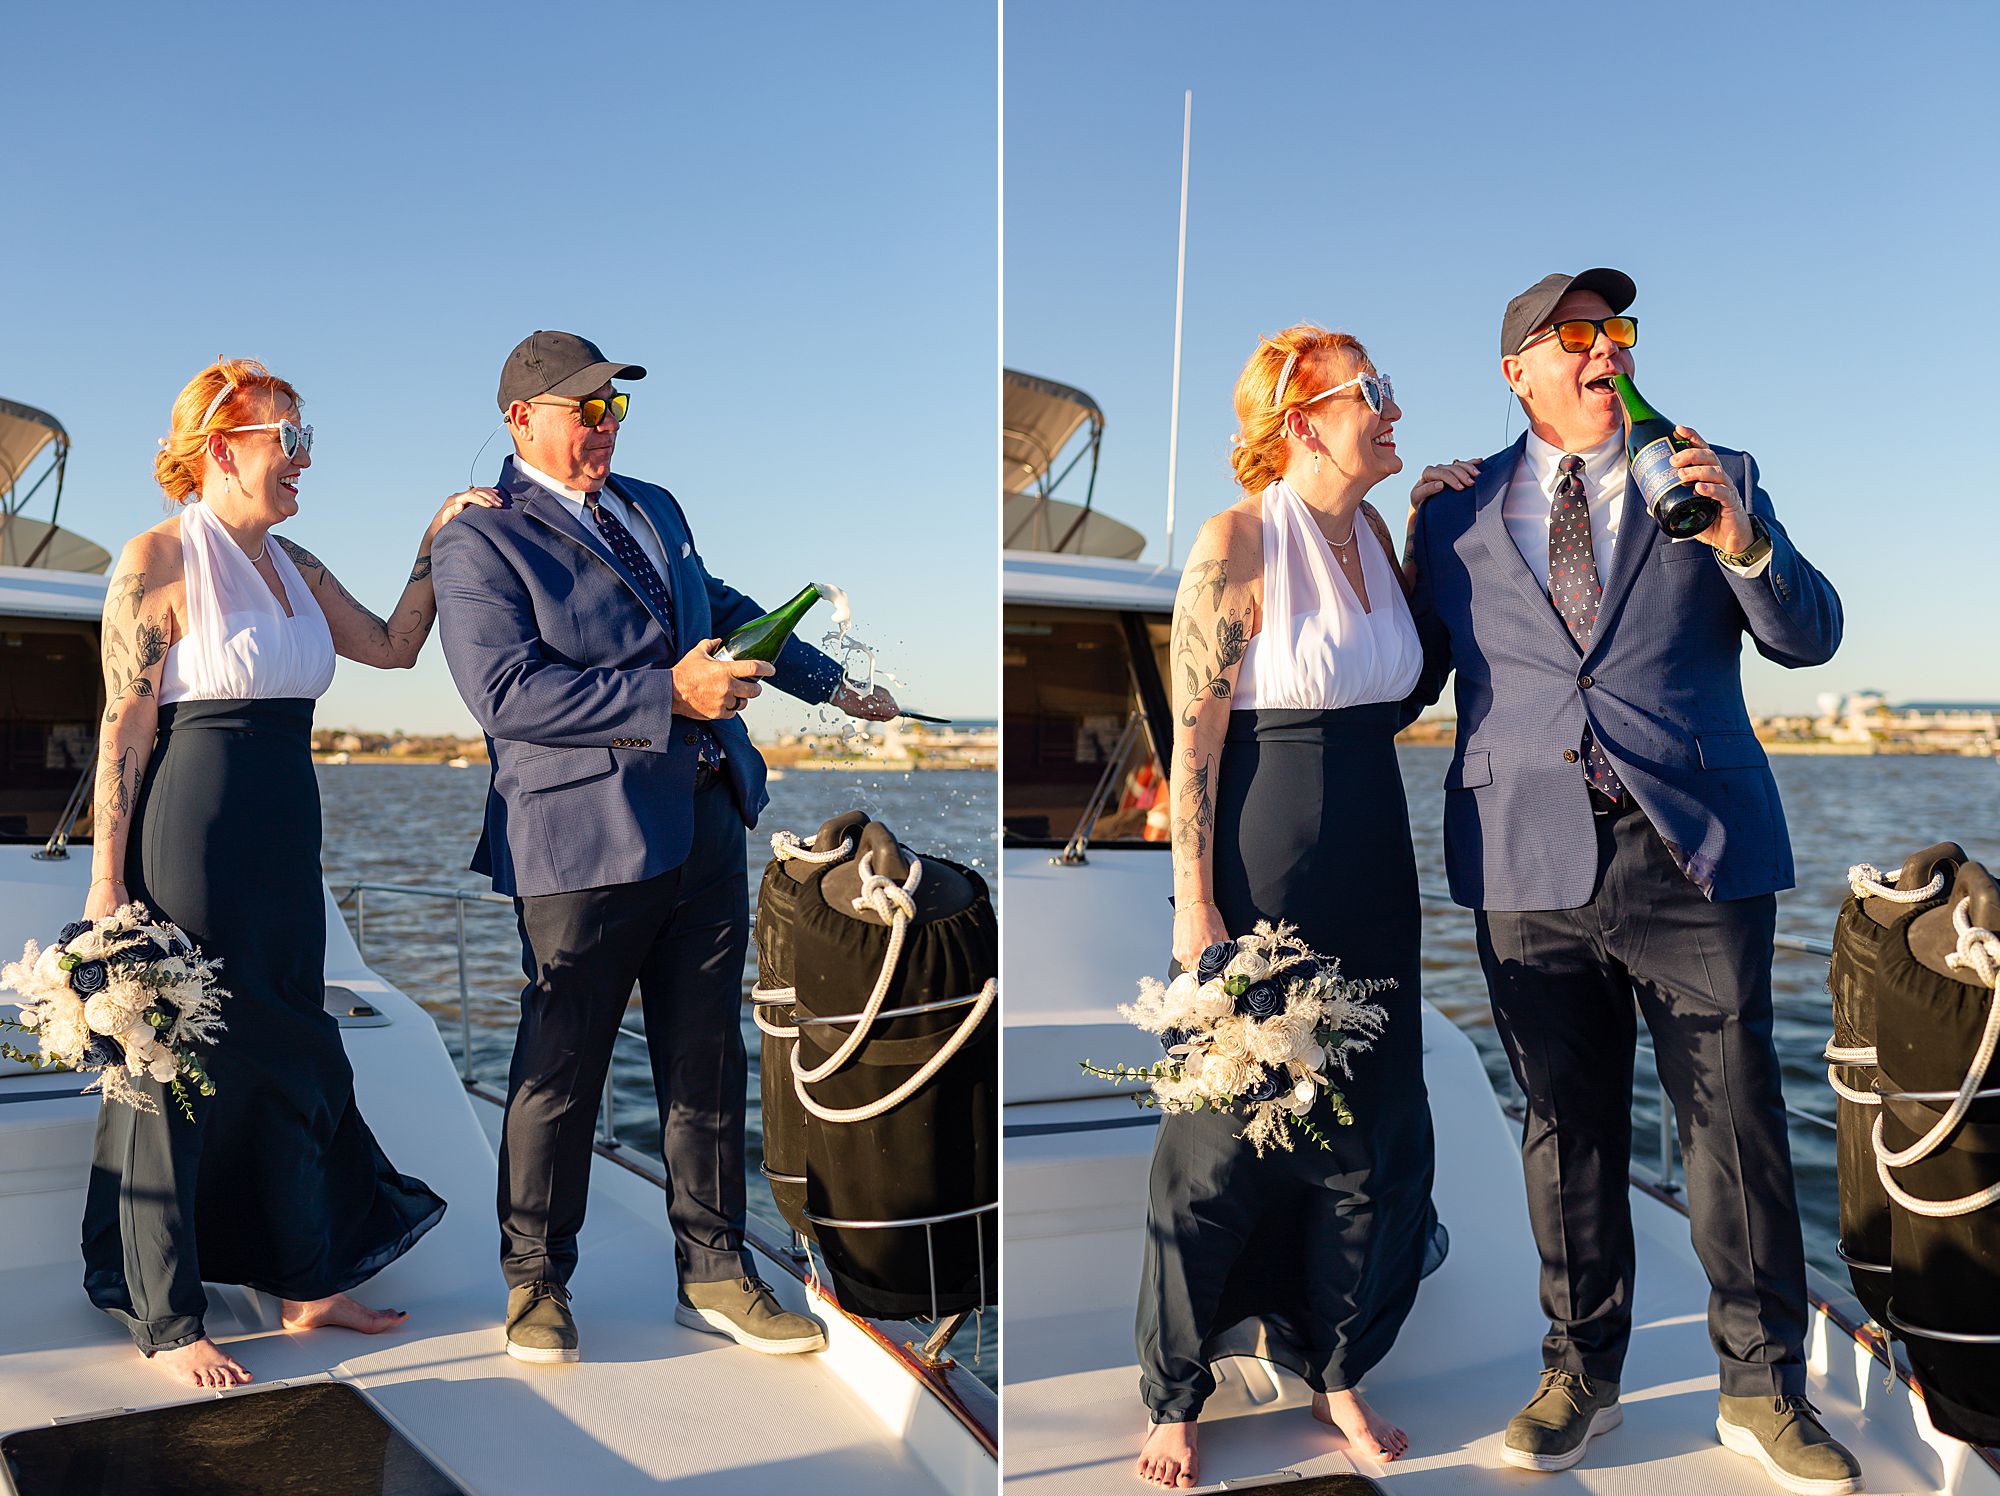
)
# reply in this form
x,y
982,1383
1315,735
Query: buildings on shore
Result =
x,y
894,746
1859,722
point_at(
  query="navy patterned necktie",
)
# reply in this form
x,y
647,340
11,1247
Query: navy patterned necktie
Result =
x,y
709,749
1574,590
627,550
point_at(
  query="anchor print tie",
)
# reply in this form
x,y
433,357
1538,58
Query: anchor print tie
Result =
x,y
626,549
1574,591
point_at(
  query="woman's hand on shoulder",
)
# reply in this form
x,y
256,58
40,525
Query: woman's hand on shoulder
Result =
x,y
1457,476
457,504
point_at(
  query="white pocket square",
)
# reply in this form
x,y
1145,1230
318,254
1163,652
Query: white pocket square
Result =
x,y
687,548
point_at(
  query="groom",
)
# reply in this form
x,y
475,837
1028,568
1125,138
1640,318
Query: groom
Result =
x,y
578,621
1612,820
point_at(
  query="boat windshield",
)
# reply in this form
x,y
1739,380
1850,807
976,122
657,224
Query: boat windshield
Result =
x,y
1085,724
49,707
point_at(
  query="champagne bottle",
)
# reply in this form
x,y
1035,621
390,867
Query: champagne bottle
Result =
x,y
762,638
1650,445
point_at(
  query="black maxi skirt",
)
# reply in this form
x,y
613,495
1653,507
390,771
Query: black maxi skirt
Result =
x,y
277,1183
1307,1258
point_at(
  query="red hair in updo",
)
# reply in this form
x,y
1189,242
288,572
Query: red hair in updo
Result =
x,y
178,467
1258,453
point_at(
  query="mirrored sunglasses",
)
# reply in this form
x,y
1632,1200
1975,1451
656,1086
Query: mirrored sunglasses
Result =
x,y
1579,334
592,411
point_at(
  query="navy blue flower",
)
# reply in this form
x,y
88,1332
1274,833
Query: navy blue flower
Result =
x,y
101,1053
1268,1088
1212,960
1175,1036
1305,971
1261,1000
143,953
71,930
87,977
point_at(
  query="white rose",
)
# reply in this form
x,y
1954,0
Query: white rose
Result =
x,y
162,1068
1249,965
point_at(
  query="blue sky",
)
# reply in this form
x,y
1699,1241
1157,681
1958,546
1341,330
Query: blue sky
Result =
x,y
787,213
1803,194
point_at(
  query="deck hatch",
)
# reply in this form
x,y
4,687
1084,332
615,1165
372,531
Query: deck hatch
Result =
x,y
318,1439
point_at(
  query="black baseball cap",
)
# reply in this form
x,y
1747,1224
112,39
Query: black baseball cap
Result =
x,y
1531,308
558,363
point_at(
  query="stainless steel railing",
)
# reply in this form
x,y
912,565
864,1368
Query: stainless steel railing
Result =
x,y
1665,1173
607,1128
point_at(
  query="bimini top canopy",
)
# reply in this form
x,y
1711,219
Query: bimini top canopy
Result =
x,y
33,439
1040,420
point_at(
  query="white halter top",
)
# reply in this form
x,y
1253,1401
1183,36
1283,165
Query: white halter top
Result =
x,y
1318,650
239,643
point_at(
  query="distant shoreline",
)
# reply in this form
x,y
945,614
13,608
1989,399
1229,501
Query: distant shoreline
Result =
x,y
817,766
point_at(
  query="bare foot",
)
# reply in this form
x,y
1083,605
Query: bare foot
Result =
x,y
202,1364
1168,1457
340,1311
1368,1432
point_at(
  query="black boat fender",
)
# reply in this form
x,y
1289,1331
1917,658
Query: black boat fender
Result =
x,y
783,1115
1936,1141
895,959
1870,919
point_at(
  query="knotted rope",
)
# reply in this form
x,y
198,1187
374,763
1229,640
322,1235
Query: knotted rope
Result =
x,y
787,846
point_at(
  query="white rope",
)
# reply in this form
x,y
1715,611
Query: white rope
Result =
x,y
1841,1089
987,995
1869,881
1980,950
893,902
787,847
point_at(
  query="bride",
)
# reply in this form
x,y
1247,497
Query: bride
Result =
x,y
1292,651
217,638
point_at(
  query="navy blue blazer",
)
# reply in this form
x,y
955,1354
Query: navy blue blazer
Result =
x,y
568,671
1661,688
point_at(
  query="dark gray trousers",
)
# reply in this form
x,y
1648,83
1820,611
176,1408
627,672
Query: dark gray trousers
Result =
x,y
1563,984
681,936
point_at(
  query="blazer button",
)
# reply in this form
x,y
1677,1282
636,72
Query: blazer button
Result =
x,y
687,737
1585,681
1569,755
642,742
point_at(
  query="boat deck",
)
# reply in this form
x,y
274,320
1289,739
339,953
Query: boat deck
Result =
x,y
652,1402
1466,1362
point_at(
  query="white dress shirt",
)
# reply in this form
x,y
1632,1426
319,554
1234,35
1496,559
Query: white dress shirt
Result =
x,y
1531,495
643,531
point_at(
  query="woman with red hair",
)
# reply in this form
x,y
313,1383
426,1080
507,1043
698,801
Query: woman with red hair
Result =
x,y
217,638
1293,651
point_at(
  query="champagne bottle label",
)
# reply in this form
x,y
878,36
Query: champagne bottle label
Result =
x,y
1654,471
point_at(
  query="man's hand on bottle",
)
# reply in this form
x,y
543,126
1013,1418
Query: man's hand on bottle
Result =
x,y
1731,533
710,689
874,705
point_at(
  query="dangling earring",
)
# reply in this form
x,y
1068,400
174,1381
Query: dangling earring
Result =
x,y
1316,457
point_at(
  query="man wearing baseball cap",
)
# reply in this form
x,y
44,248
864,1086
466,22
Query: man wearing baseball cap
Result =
x,y
578,624
1612,820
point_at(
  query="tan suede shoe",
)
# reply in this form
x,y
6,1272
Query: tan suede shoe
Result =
x,y
745,1310
1556,1427
540,1328
1785,1436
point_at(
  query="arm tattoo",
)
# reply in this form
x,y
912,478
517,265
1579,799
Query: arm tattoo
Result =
x,y
114,795
1191,829
314,571
129,588
421,570
1203,665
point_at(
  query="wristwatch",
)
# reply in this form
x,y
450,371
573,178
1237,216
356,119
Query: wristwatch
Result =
x,y
1750,555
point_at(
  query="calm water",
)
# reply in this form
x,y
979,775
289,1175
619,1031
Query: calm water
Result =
x,y
418,823
1841,811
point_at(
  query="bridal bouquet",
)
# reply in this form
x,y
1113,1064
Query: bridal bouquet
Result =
x,y
1256,1028
119,997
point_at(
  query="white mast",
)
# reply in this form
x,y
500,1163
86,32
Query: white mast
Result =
x,y
1180,286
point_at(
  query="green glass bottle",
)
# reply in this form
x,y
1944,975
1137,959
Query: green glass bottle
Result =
x,y
1650,445
762,638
